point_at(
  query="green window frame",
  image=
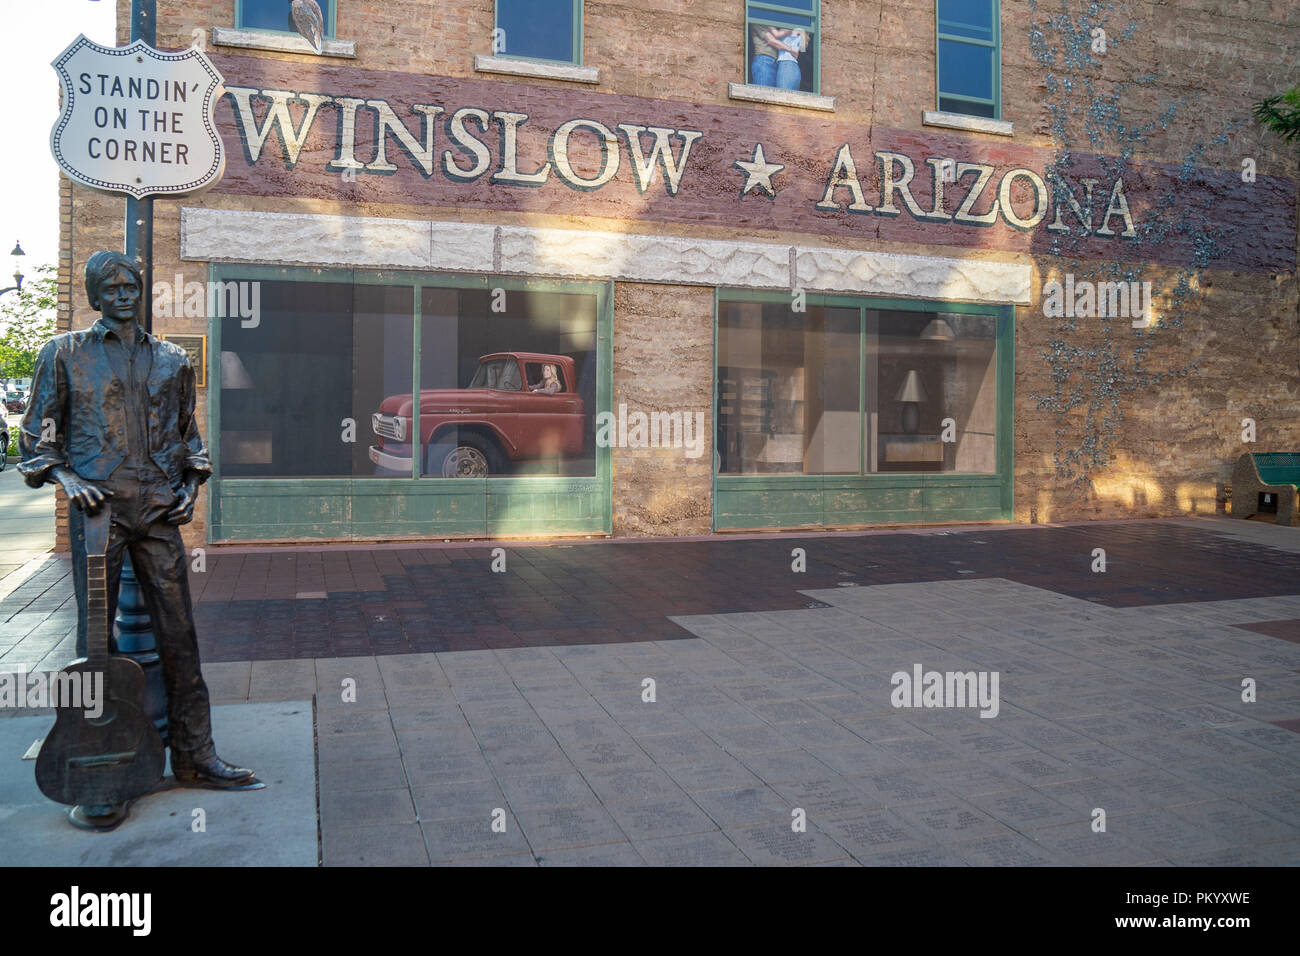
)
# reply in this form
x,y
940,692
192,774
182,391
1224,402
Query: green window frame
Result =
x,y
774,11
575,40
327,7
773,502
415,506
960,36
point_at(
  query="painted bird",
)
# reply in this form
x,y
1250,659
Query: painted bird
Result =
x,y
309,21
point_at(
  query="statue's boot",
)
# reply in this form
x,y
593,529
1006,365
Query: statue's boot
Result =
x,y
204,767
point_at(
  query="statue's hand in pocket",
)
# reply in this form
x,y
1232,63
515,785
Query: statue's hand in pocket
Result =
x,y
182,511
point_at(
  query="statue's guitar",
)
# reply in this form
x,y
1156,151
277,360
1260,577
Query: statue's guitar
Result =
x,y
118,755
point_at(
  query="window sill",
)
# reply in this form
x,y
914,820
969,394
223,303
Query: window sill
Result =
x,y
547,71
280,42
770,94
976,124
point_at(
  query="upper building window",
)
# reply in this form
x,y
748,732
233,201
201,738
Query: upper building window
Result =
x,y
969,55
276,15
781,44
540,29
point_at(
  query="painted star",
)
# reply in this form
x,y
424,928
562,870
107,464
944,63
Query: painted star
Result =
x,y
758,172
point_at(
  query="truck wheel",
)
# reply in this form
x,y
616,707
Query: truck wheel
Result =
x,y
467,455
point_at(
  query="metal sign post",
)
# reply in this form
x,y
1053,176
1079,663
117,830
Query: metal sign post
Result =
x,y
132,627
139,212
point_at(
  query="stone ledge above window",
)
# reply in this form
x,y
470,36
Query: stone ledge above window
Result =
x,y
771,94
280,42
976,124
309,239
547,71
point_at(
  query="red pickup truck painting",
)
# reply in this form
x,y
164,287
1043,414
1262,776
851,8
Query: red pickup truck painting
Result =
x,y
513,411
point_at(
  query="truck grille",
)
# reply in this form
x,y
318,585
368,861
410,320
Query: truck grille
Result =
x,y
389,426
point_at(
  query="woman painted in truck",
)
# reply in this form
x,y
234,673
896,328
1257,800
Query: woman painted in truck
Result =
x,y
550,383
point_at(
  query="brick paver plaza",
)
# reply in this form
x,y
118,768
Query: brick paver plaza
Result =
x,y
520,696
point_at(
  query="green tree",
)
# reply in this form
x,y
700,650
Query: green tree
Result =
x,y
1281,114
27,321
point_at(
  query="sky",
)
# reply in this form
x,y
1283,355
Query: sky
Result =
x,y
31,36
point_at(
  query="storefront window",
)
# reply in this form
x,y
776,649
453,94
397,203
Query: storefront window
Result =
x,y
321,383
848,391
788,390
931,391
301,377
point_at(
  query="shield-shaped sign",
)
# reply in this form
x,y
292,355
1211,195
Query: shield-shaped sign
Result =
x,y
138,120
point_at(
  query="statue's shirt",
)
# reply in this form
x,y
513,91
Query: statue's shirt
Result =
x,y
94,407
132,369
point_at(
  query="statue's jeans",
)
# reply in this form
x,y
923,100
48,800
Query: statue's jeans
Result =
x,y
161,566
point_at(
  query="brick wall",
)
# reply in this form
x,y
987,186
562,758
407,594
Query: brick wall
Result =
x,y
1171,441
878,56
663,362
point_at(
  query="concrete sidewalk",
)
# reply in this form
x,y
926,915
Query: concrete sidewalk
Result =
x,y
773,737
26,528
180,827
1135,712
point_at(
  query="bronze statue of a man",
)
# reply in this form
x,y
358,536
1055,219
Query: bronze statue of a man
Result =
x,y
112,416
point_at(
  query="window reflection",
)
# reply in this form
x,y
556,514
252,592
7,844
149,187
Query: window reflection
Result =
x,y
540,29
842,391
322,384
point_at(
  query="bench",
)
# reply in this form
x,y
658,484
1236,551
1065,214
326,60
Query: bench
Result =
x,y
1265,484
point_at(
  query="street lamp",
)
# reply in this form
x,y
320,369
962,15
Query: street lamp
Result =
x,y
18,270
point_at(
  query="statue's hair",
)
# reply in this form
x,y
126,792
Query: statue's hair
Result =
x,y
101,266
